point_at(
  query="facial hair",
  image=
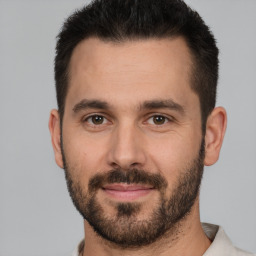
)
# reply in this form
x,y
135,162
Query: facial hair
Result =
x,y
124,229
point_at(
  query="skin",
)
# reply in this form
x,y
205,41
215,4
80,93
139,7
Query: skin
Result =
x,y
125,76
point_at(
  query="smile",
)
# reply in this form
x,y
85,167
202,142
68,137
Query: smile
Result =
x,y
126,192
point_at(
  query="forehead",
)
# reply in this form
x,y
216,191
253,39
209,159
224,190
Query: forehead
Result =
x,y
154,67
107,56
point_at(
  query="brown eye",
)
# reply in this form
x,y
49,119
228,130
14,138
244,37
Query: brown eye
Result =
x,y
158,120
96,120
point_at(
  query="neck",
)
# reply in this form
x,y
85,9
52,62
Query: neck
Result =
x,y
188,239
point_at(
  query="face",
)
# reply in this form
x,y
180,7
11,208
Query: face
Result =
x,y
132,145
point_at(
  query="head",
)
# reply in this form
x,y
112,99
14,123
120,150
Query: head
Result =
x,y
120,21
136,85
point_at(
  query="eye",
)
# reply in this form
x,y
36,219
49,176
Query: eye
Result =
x,y
158,120
96,120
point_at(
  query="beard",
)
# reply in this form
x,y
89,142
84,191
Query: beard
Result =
x,y
124,228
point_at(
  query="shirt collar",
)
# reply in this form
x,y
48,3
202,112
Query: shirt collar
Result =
x,y
221,245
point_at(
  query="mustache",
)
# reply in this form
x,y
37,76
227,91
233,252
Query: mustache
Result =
x,y
132,176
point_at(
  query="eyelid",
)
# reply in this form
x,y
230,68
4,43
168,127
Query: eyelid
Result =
x,y
151,122
91,122
107,118
90,115
168,117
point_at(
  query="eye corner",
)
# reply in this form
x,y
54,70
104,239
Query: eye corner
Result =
x,y
95,120
159,119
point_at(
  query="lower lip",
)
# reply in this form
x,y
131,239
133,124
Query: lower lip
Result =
x,y
127,195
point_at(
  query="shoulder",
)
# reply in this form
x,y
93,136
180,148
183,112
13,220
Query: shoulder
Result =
x,y
221,244
240,252
78,249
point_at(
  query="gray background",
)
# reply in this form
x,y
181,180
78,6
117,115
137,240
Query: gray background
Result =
x,y
36,215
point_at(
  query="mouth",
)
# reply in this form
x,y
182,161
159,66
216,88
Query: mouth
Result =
x,y
127,192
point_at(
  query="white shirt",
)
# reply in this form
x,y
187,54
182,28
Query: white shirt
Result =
x,y
220,246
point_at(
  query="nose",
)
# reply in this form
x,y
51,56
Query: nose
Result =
x,y
126,149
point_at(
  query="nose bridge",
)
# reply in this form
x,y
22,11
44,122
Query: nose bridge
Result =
x,y
126,146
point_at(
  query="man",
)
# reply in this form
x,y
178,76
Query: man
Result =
x,y
136,123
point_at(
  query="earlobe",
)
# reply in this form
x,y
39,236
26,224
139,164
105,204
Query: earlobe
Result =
x,y
55,130
215,131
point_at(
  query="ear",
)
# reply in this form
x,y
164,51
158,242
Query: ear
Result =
x,y
215,131
55,130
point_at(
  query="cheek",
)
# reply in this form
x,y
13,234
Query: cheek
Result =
x,y
171,154
83,154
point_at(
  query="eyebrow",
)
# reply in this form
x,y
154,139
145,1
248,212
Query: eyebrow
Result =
x,y
85,104
169,104
150,105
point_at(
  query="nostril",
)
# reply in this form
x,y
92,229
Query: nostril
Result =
x,y
115,165
134,165
123,166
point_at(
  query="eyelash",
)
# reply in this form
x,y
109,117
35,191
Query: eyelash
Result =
x,y
104,119
163,119
86,119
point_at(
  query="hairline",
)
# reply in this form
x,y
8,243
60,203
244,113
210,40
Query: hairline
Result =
x,y
194,64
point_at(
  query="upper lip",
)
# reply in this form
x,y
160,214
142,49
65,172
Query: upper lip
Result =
x,y
126,187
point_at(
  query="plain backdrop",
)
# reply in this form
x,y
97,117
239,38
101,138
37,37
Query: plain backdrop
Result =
x,y
37,217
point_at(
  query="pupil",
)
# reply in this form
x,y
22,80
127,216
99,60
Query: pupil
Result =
x,y
97,119
159,119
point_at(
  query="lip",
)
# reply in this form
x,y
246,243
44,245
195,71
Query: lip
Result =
x,y
127,192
